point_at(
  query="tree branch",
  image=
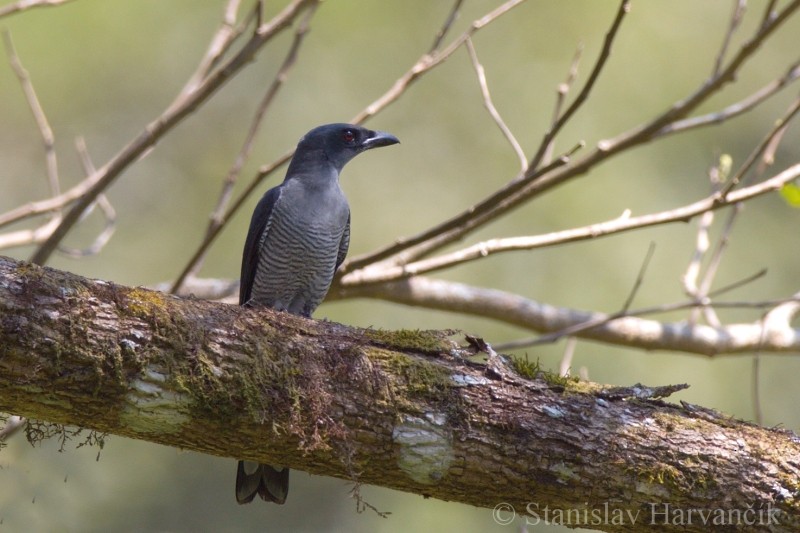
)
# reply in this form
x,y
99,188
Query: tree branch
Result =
x,y
22,5
399,409
628,329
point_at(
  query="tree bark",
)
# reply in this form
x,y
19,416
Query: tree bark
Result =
x,y
407,410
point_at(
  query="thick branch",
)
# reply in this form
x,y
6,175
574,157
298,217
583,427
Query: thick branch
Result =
x,y
399,409
765,336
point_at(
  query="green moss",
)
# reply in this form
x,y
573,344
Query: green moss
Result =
x,y
525,367
146,304
532,370
412,340
419,377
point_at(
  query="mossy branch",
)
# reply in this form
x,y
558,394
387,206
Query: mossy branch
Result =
x,y
401,409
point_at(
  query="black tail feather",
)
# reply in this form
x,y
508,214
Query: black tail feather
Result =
x,y
270,483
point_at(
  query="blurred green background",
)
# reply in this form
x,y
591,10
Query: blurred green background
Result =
x,y
104,68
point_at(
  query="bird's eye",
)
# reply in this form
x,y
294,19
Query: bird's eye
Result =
x,y
348,136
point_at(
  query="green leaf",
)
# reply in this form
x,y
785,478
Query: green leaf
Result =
x,y
791,193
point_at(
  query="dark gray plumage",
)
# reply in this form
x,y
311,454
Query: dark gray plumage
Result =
x,y
298,237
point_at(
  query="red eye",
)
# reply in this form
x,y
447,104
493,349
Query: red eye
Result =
x,y
348,136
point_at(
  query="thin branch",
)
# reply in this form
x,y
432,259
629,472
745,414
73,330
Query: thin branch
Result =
x,y
41,207
226,35
583,95
41,233
448,23
758,417
702,244
639,277
736,19
109,213
110,225
738,108
691,286
561,95
716,261
22,5
28,236
489,105
618,225
738,283
769,12
428,61
164,123
38,113
218,218
766,142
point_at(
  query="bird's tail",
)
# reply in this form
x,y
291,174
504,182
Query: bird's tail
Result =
x,y
271,483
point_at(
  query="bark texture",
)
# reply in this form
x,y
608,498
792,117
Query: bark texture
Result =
x,y
401,409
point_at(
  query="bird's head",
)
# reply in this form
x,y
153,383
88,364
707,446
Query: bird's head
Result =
x,y
341,142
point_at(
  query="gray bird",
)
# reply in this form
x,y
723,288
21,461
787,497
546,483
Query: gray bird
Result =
x,y
298,237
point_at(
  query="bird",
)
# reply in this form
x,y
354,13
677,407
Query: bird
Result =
x,y
299,235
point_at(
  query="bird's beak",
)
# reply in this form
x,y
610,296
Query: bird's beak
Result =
x,y
379,138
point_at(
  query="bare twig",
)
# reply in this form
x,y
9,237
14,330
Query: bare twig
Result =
x,y
38,113
716,261
448,23
769,12
692,287
226,35
22,5
489,105
164,123
583,95
639,277
702,244
48,205
738,283
42,232
218,215
736,19
738,108
428,61
561,95
756,389
110,216
102,202
764,145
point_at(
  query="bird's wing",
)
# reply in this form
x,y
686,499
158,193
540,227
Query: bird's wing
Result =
x,y
258,225
344,244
